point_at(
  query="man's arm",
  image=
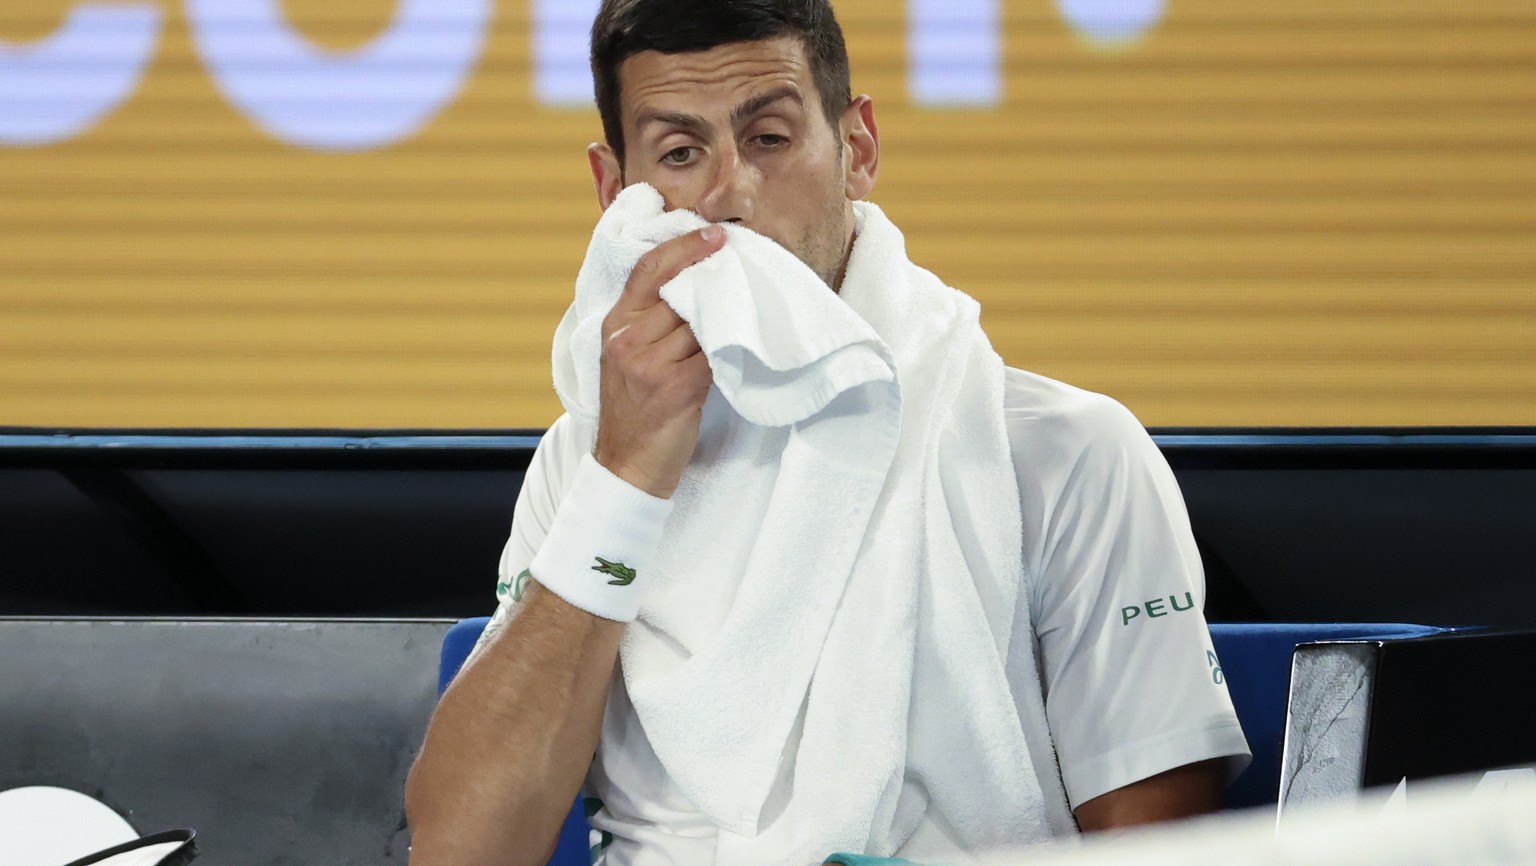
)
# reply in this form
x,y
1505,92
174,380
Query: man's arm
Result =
x,y
1137,705
1183,792
511,740
513,736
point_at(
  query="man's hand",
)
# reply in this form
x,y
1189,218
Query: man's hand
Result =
x,y
654,376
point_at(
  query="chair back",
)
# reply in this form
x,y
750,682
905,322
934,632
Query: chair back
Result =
x,y
1255,660
280,741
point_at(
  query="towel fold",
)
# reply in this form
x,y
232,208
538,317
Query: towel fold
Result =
x,y
819,661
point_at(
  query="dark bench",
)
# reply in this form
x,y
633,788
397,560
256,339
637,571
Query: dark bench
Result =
x,y
1296,525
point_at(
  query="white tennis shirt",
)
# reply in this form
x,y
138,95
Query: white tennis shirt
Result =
x,y
1115,594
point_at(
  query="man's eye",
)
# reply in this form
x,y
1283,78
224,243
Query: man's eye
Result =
x,y
772,140
678,156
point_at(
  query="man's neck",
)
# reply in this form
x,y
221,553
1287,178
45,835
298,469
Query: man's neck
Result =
x,y
853,237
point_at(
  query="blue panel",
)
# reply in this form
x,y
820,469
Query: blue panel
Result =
x,y
1289,439
456,646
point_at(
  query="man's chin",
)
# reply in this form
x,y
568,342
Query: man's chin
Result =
x,y
816,263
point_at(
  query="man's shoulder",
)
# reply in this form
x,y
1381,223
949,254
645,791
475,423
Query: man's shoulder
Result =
x,y
1068,442
1046,417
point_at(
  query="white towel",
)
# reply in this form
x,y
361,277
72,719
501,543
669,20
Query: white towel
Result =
x,y
819,661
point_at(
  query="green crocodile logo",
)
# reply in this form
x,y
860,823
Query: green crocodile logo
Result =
x,y
622,574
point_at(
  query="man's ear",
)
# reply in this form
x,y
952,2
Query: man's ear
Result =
x,y
607,177
861,147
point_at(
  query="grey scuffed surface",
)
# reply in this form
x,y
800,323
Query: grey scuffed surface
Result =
x,y
280,742
1326,723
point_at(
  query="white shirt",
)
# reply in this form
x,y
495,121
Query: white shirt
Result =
x,y
1115,600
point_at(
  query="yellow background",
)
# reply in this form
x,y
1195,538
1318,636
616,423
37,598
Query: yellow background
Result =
x,y
1307,212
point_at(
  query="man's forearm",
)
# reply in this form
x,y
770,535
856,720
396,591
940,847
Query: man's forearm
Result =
x,y
512,738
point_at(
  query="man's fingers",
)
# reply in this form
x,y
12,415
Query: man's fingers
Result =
x,y
678,344
657,267
638,330
696,367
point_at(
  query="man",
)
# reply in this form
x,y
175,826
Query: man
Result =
x,y
740,111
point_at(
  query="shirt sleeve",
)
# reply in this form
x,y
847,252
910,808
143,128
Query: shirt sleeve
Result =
x,y
554,460
1116,594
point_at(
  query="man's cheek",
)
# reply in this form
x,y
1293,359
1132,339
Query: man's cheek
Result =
x,y
674,196
787,240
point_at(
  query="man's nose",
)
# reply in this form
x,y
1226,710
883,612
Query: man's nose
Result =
x,y
728,197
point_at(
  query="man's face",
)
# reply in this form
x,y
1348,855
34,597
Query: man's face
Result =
x,y
737,133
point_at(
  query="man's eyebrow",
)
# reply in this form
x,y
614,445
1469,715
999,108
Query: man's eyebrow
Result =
x,y
698,125
762,101
691,122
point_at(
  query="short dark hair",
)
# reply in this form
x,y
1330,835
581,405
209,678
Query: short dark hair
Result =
x,y
624,28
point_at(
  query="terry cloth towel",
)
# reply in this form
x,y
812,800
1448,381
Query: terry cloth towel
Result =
x,y
819,660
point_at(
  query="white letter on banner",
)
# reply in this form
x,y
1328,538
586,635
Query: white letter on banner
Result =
x,y
562,72
59,87
328,100
956,55
1111,22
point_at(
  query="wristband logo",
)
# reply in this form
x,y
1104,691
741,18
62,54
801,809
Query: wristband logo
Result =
x,y
622,574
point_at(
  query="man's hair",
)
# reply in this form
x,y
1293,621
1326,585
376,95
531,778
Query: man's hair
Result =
x,y
627,27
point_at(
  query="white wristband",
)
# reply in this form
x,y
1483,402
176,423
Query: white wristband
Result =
x,y
602,543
